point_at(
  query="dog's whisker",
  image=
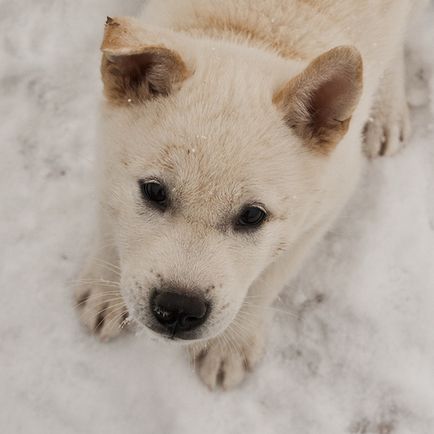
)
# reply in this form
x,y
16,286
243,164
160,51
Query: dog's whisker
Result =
x,y
230,342
110,304
108,286
105,291
105,309
93,280
243,327
102,283
110,266
294,314
103,297
122,311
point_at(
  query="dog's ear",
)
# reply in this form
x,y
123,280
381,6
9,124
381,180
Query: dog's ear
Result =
x,y
318,103
137,64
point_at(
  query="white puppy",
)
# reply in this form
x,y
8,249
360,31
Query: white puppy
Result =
x,y
231,137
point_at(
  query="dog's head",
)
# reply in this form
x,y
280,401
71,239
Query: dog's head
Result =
x,y
216,161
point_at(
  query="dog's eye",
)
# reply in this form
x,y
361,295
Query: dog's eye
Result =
x,y
154,192
251,217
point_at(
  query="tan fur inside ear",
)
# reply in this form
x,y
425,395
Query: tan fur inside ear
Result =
x,y
134,66
318,103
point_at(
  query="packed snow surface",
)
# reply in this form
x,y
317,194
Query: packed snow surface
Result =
x,y
358,359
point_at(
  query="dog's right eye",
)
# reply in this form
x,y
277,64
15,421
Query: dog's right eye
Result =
x,y
154,192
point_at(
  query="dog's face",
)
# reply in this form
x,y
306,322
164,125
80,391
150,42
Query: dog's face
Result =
x,y
212,169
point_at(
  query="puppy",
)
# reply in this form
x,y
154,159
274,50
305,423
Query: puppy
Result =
x,y
231,136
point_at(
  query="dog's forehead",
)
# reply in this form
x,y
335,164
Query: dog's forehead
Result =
x,y
199,170
211,152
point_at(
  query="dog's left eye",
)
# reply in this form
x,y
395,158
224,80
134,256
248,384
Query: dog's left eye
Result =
x,y
154,192
251,217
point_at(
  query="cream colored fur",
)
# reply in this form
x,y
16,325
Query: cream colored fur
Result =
x,y
221,141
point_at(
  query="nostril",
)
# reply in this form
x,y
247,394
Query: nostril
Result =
x,y
164,316
178,311
188,321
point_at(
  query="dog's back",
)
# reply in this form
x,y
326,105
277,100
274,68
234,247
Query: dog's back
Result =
x,y
294,28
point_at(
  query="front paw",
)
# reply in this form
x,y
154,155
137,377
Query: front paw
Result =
x,y
225,360
101,307
387,132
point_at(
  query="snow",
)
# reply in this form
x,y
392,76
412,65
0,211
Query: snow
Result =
x,y
360,358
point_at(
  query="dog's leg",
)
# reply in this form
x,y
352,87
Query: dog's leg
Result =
x,y
98,299
224,360
388,128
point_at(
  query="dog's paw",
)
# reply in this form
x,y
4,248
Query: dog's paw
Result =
x,y
224,362
101,308
387,132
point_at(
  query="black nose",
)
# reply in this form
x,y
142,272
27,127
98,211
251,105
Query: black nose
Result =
x,y
178,312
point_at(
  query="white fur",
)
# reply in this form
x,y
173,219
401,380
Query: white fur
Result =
x,y
220,142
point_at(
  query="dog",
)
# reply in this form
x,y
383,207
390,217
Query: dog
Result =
x,y
231,135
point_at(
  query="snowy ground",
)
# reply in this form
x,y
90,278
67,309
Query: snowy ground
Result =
x,y
361,361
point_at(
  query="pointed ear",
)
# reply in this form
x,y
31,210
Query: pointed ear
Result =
x,y
136,63
318,103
